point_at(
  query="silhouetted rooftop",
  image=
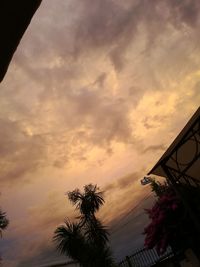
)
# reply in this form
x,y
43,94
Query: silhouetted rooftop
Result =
x,y
15,16
183,155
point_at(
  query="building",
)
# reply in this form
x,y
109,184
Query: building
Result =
x,y
180,165
181,161
15,17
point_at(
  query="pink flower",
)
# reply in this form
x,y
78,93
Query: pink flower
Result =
x,y
163,214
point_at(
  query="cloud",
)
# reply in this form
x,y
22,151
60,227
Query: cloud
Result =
x,y
123,182
116,25
64,98
96,89
122,194
153,148
20,152
104,26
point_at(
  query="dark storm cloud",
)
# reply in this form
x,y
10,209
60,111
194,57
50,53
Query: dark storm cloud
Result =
x,y
184,11
104,24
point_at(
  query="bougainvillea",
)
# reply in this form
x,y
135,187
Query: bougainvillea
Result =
x,y
166,216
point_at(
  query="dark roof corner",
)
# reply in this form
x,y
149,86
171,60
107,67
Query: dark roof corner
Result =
x,y
15,16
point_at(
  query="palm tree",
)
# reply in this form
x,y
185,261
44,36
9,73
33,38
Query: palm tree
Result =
x,y
70,242
87,202
3,222
87,240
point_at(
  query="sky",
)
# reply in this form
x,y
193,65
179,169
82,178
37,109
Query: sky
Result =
x,y
96,92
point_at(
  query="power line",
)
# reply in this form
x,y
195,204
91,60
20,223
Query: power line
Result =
x,y
130,211
132,219
138,204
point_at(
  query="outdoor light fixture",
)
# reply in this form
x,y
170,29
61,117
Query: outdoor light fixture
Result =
x,y
146,180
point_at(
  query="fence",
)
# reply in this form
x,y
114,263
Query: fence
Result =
x,y
62,264
145,258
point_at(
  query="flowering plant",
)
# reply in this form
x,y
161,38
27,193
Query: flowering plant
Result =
x,y
165,222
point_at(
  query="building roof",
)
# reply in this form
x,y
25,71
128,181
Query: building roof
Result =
x,y
15,16
183,155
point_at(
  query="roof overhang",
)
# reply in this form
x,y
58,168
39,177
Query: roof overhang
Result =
x,y
15,16
181,161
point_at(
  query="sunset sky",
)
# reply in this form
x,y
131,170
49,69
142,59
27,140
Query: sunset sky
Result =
x,y
95,93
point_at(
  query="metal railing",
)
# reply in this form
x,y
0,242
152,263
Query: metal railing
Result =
x,y
145,258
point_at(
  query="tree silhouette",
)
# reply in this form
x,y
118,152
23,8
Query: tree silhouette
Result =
x,y
3,225
3,221
87,240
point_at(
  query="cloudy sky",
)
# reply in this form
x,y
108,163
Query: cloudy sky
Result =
x,y
95,93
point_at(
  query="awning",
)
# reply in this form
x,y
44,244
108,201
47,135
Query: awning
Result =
x,y
182,159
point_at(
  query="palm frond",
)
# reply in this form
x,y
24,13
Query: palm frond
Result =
x,y
92,200
3,221
69,240
75,196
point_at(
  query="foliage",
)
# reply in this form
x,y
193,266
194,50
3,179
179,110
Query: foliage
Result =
x,y
87,202
166,217
3,221
3,225
70,240
158,188
171,224
87,240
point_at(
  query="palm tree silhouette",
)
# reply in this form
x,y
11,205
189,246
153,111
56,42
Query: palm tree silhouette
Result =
x,y
3,225
70,241
87,240
3,222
